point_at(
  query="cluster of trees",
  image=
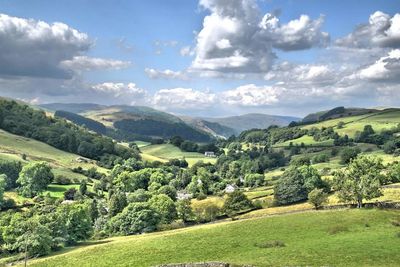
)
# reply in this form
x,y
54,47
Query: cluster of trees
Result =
x,y
190,146
82,121
23,120
45,227
163,129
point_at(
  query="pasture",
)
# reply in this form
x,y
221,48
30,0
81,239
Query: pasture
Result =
x,y
325,238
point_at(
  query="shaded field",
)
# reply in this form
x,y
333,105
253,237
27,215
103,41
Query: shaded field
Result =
x,y
325,238
165,152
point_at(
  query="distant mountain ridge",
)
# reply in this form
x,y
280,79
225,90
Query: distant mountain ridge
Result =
x,y
251,121
338,112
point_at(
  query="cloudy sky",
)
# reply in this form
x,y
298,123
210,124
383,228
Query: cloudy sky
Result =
x,y
203,58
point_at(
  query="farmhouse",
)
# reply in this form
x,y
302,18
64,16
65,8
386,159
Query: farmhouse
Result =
x,y
230,188
209,154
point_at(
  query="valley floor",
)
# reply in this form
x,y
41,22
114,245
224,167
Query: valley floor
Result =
x,y
365,237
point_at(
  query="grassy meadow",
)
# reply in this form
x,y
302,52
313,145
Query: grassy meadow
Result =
x,y
165,152
325,238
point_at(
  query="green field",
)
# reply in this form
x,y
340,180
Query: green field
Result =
x,y
165,152
12,147
325,238
306,140
379,121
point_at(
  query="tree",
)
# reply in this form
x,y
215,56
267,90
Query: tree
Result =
x,y
235,202
348,154
393,173
3,178
77,221
164,206
184,210
361,180
317,197
254,179
117,203
34,178
83,187
11,169
296,183
390,147
135,218
70,194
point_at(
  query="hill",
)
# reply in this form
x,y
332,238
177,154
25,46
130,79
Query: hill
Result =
x,y
82,121
338,112
212,128
135,122
165,152
324,238
252,121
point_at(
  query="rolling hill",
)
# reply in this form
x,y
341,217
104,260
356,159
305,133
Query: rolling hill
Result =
x,y
252,121
338,112
135,122
325,238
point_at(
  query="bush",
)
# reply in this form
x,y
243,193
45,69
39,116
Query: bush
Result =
x,y
206,213
62,180
270,244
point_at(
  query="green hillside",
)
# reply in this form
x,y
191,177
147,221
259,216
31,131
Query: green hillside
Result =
x,y
331,238
165,152
12,147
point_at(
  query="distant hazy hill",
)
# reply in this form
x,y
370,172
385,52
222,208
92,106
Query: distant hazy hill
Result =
x,y
212,128
135,122
251,121
338,112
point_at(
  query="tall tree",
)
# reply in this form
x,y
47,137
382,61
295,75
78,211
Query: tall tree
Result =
x,y
34,178
361,180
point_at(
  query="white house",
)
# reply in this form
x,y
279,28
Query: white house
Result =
x,y
230,188
209,154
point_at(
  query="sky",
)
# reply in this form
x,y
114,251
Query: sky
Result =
x,y
203,58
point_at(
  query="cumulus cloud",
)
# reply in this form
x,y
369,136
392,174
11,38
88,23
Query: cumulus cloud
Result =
x,y
287,72
127,91
183,98
165,74
385,69
36,48
382,30
236,38
84,63
252,95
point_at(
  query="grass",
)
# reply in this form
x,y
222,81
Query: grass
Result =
x,y
307,140
379,121
165,152
12,147
57,191
325,238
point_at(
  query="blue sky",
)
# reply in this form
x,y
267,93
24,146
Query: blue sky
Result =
x,y
133,36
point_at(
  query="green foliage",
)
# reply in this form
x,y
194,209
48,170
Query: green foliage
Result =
x,y
184,210
164,206
296,183
117,203
317,197
34,178
134,219
11,169
254,180
393,173
3,179
235,202
23,120
349,153
361,180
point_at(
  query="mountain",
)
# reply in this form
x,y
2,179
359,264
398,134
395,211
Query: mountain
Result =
x,y
212,128
338,112
251,121
133,122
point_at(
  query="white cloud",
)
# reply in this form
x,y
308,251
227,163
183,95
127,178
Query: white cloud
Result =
x,y
183,98
165,74
236,38
252,95
36,48
386,68
186,51
84,63
126,91
380,31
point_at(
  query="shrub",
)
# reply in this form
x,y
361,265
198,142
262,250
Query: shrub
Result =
x,y
62,180
270,244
